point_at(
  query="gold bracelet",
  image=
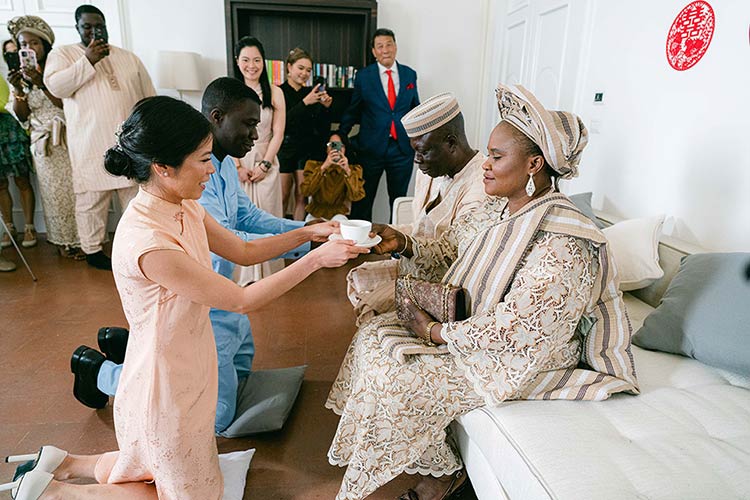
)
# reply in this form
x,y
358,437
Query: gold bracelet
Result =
x,y
428,333
406,244
20,97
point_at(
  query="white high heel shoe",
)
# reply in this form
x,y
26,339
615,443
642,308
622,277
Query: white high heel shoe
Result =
x,y
30,486
47,459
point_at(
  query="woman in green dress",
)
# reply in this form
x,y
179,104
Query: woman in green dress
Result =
x,y
15,161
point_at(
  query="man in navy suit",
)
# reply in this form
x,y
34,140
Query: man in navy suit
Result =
x,y
383,93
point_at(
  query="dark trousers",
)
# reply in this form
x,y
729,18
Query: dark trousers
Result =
x,y
397,167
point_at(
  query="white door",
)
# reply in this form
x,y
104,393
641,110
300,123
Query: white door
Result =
x,y
539,44
8,10
59,14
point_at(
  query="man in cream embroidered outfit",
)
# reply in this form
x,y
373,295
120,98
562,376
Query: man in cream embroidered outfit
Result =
x,y
448,185
99,84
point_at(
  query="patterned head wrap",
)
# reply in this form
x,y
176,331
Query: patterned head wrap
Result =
x,y
560,135
31,24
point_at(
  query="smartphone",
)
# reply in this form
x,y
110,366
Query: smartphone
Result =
x,y
336,146
319,80
28,58
100,33
12,60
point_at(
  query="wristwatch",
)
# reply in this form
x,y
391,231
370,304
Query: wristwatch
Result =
x,y
266,164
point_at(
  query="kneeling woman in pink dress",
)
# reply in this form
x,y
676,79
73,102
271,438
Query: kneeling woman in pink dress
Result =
x,y
166,401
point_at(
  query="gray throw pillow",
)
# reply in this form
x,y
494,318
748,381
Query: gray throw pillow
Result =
x,y
264,400
704,313
583,202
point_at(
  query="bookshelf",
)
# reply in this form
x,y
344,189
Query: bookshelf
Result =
x,y
335,32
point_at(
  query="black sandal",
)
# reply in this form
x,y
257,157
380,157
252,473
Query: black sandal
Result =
x,y
458,485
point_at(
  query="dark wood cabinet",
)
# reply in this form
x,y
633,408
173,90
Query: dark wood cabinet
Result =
x,y
333,31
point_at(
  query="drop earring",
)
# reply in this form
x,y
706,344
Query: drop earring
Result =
x,y
530,186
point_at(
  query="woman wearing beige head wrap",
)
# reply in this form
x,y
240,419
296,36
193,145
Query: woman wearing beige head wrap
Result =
x,y
34,104
560,136
545,318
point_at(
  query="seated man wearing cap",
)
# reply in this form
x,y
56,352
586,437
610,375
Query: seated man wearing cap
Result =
x,y
448,185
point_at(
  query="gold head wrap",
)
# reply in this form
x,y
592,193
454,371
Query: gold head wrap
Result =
x,y
560,135
31,24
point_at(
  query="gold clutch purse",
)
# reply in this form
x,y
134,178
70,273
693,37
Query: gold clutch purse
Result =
x,y
442,301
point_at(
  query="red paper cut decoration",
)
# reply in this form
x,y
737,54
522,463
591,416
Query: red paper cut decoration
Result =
x,y
690,35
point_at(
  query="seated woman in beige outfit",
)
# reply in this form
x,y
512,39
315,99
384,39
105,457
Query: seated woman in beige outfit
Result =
x,y
546,318
166,399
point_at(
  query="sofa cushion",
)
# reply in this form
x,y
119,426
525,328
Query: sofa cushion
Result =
x,y
704,313
582,201
635,248
685,437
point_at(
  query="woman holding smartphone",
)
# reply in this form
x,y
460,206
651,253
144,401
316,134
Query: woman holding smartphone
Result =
x,y
259,169
332,184
15,161
306,120
34,104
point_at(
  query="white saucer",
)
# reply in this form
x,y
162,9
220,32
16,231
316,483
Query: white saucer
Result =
x,y
368,243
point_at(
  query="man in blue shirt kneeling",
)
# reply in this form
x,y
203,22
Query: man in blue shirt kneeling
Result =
x,y
234,112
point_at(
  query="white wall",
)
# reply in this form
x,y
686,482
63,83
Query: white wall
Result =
x,y
447,55
194,26
670,142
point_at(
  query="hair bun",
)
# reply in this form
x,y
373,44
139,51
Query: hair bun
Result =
x,y
118,163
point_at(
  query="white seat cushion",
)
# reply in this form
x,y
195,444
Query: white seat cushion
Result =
x,y
686,436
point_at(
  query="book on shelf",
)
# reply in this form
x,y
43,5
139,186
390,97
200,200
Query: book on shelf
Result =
x,y
335,76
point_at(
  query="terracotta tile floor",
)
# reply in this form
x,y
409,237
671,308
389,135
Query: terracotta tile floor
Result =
x,y
42,323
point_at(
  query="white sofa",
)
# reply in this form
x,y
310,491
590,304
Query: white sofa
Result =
x,y
686,436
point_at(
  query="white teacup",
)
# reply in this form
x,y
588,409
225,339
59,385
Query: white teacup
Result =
x,y
357,230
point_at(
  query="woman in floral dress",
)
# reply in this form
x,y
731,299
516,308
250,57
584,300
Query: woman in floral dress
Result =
x,y
34,104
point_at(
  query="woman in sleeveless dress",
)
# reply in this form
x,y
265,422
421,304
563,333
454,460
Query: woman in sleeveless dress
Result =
x,y
259,169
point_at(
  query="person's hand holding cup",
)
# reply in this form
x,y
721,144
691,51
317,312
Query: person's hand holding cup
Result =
x,y
355,230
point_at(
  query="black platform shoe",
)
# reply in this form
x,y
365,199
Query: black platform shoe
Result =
x,y
85,365
113,340
99,261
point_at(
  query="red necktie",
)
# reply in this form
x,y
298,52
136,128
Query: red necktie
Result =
x,y
391,100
